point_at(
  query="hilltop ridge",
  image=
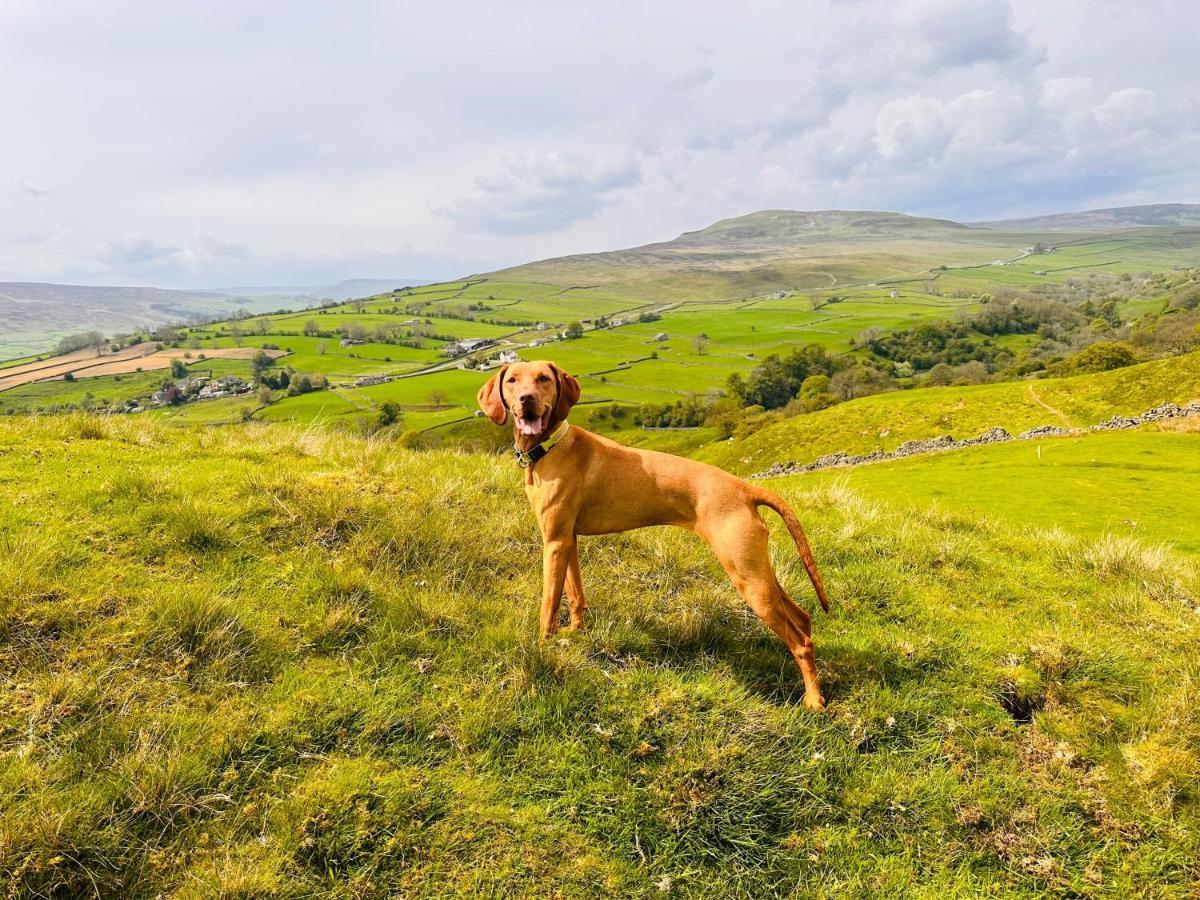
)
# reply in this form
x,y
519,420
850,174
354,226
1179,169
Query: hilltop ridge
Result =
x,y
1161,215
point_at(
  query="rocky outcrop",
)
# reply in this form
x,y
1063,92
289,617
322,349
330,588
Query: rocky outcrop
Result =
x,y
991,436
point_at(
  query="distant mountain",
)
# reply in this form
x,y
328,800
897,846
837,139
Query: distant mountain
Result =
x,y
1178,215
774,227
796,250
34,315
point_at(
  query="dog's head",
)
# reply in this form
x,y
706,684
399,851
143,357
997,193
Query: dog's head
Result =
x,y
538,395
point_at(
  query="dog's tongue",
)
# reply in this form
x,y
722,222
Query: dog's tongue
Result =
x,y
532,427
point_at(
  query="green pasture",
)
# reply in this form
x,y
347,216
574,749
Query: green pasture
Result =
x,y
1143,484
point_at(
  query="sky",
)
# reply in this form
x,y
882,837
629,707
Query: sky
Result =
x,y
206,144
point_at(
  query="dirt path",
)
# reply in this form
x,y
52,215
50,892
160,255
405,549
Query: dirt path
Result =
x,y
1054,411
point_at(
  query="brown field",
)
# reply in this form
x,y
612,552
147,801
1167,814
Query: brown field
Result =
x,y
86,364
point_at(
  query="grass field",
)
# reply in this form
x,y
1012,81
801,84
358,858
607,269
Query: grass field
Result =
x,y
1143,484
275,662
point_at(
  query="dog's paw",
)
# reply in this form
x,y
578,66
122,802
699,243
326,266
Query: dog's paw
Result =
x,y
813,701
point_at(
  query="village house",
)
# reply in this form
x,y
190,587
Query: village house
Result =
x,y
504,358
349,342
225,386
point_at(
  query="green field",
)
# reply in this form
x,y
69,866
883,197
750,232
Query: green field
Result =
x,y
277,661
1142,484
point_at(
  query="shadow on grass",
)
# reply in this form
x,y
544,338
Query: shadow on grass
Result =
x,y
764,666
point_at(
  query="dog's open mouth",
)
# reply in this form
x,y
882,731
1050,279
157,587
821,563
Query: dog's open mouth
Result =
x,y
533,427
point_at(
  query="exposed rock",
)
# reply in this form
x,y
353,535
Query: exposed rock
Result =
x,y
992,436
1044,431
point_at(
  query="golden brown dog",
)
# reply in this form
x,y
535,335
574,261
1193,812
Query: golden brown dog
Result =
x,y
587,484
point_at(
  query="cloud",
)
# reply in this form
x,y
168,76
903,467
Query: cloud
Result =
x,y
547,193
138,253
225,143
693,78
31,188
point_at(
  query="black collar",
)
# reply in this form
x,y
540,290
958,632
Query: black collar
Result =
x,y
526,458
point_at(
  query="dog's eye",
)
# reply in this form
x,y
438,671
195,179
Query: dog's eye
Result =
x,y
512,380
543,377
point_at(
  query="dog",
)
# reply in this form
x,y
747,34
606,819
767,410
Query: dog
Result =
x,y
581,483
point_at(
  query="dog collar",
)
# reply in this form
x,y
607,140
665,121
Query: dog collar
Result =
x,y
526,458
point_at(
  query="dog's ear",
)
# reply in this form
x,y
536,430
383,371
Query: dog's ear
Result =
x,y
568,393
491,398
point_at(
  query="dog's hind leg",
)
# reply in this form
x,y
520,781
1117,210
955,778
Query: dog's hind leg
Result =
x,y
740,543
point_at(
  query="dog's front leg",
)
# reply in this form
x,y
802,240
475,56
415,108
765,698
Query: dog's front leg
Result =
x,y
555,554
575,588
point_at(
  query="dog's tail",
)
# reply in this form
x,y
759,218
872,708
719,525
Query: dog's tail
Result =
x,y
763,497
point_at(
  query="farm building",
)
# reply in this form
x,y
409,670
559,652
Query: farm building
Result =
x,y
368,380
470,345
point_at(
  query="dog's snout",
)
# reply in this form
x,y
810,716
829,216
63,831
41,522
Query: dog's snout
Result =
x,y
527,398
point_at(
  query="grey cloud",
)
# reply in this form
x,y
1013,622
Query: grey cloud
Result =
x,y
533,196
138,251
31,188
697,76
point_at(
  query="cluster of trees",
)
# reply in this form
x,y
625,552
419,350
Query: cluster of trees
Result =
x,y
87,340
689,413
777,380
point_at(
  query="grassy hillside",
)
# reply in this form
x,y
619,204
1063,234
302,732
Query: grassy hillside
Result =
x,y
885,421
276,662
